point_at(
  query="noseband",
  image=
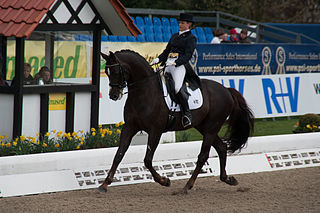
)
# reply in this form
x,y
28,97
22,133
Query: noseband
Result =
x,y
122,81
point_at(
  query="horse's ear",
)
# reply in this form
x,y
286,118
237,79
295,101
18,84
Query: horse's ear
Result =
x,y
105,56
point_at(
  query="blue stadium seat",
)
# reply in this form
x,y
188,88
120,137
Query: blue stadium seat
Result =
x,y
165,21
141,28
174,22
174,29
132,39
141,38
207,30
201,36
122,38
104,38
147,21
84,38
194,32
166,36
156,21
157,29
166,29
113,38
209,37
139,20
149,37
158,37
148,29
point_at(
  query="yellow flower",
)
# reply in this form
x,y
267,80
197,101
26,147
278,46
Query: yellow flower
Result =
x,y
78,147
118,131
117,125
54,131
5,136
47,134
93,133
19,148
93,129
81,131
22,138
69,134
29,137
100,126
82,139
81,142
37,134
69,138
60,132
110,132
308,126
115,141
38,142
78,137
101,131
121,123
102,135
65,134
59,135
2,144
8,145
33,139
14,143
44,145
57,145
74,134
314,127
1,137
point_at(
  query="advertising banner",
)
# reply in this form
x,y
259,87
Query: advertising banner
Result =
x,y
257,59
70,58
277,95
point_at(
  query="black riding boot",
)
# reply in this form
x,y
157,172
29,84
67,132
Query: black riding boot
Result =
x,y
186,114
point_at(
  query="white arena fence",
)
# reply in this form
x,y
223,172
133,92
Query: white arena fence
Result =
x,y
84,169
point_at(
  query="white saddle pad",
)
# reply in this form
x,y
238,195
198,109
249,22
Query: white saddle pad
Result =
x,y
195,99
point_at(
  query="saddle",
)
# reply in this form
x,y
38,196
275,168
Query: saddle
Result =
x,y
195,99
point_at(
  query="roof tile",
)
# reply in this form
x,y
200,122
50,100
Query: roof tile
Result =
x,y
20,17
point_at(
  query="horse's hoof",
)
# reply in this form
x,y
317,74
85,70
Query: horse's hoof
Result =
x,y
231,181
102,188
167,182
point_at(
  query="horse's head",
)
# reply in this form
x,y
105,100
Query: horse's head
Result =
x,y
116,74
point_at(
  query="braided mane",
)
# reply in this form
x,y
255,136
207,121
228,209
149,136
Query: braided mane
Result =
x,y
139,58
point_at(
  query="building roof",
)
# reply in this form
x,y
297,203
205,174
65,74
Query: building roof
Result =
x,y
19,18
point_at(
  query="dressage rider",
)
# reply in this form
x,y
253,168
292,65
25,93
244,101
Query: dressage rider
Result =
x,y
176,57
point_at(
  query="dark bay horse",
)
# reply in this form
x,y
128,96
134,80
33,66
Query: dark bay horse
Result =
x,y
145,109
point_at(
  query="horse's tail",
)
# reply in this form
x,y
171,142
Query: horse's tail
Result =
x,y
240,123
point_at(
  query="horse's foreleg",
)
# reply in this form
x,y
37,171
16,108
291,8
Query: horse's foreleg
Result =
x,y
202,158
221,149
125,139
153,141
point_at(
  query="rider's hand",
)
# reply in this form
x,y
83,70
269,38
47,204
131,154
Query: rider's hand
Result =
x,y
155,61
170,63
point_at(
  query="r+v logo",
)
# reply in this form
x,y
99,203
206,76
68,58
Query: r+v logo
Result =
x,y
279,94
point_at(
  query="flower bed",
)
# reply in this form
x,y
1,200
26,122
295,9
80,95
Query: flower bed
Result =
x,y
308,123
55,141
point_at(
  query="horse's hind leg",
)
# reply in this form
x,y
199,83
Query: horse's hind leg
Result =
x,y
125,139
153,141
221,149
202,158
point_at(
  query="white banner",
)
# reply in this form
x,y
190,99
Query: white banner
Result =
x,y
267,95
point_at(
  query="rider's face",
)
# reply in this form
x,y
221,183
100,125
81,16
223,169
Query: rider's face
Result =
x,y
184,25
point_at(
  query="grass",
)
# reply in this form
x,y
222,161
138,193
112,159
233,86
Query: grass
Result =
x,y
263,127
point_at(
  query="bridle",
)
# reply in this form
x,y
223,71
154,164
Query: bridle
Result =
x,y
122,81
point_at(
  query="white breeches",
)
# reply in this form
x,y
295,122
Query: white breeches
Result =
x,y
177,73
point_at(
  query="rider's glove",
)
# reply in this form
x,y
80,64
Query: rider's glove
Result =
x,y
155,61
170,63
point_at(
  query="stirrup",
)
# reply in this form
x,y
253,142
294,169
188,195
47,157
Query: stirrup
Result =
x,y
186,121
